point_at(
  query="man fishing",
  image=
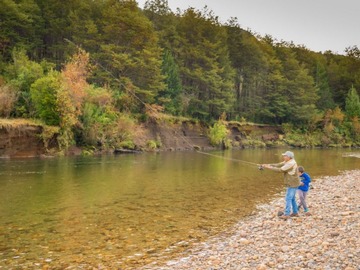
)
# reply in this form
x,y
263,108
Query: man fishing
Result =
x,y
289,168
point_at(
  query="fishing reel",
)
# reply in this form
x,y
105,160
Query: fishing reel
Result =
x,y
260,168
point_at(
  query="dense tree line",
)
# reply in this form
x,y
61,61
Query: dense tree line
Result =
x,y
86,63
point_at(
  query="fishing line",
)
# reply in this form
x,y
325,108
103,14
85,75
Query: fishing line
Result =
x,y
217,156
156,113
112,75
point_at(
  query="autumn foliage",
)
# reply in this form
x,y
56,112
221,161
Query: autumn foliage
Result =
x,y
8,97
71,95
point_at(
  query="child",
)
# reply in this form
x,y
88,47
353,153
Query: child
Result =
x,y
303,189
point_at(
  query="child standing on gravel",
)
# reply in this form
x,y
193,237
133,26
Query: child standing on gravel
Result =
x,y
303,189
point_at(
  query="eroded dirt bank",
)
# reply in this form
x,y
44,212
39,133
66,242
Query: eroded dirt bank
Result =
x,y
23,139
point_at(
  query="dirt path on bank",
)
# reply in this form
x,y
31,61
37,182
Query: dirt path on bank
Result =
x,y
328,239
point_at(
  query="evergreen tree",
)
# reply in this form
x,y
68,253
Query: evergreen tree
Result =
x,y
20,26
300,88
353,66
171,96
250,63
164,21
334,71
275,104
206,71
344,72
129,53
352,105
326,100
56,29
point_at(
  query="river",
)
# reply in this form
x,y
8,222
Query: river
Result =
x,y
125,211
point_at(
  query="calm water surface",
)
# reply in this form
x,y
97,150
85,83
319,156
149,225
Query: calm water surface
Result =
x,y
129,210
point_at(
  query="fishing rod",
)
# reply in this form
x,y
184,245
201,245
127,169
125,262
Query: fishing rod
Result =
x,y
260,167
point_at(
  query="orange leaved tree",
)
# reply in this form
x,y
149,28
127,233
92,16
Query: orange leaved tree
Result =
x,y
71,94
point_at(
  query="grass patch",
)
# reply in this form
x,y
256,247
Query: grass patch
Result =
x,y
17,122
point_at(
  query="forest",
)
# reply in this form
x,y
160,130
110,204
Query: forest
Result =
x,y
92,69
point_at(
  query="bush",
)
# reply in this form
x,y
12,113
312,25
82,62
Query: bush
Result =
x,y
22,73
152,145
48,134
99,125
70,97
217,134
253,143
102,125
43,96
8,98
127,145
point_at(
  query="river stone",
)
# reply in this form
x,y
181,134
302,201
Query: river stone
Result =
x,y
244,241
262,267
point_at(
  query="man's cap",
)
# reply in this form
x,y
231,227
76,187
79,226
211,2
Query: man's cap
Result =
x,y
289,154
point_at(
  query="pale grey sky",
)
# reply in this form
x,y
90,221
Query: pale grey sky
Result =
x,y
320,25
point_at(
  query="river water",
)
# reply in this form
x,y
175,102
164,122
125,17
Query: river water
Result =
x,y
126,211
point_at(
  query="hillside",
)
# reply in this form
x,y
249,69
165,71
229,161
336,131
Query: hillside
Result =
x,y
98,69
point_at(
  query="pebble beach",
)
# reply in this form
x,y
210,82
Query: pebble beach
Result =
x,y
328,239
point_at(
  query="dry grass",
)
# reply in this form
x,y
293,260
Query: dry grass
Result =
x,y
17,122
8,97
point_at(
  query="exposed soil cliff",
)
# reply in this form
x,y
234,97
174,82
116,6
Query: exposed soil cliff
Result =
x,y
24,139
184,135
187,135
21,141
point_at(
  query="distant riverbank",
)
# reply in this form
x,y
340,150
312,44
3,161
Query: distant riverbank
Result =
x,y
328,239
25,138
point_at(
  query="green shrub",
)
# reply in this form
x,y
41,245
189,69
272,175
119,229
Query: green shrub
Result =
x,y
127,145
43,96
228,143
103,125
99,125
87,152
217,134
21,74
151,144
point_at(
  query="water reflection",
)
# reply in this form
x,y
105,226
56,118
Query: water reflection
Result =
x,y
125,211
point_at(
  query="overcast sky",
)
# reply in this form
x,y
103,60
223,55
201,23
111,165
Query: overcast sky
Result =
x,y
320,25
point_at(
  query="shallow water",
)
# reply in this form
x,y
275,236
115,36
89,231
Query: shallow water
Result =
x,y
129,210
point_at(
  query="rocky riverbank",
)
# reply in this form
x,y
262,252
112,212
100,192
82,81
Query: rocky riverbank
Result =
x,y
328,239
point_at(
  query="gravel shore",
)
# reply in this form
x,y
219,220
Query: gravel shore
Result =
x,y
328,239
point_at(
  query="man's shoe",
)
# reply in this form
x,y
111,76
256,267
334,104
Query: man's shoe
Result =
x,y
294,215
284,217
